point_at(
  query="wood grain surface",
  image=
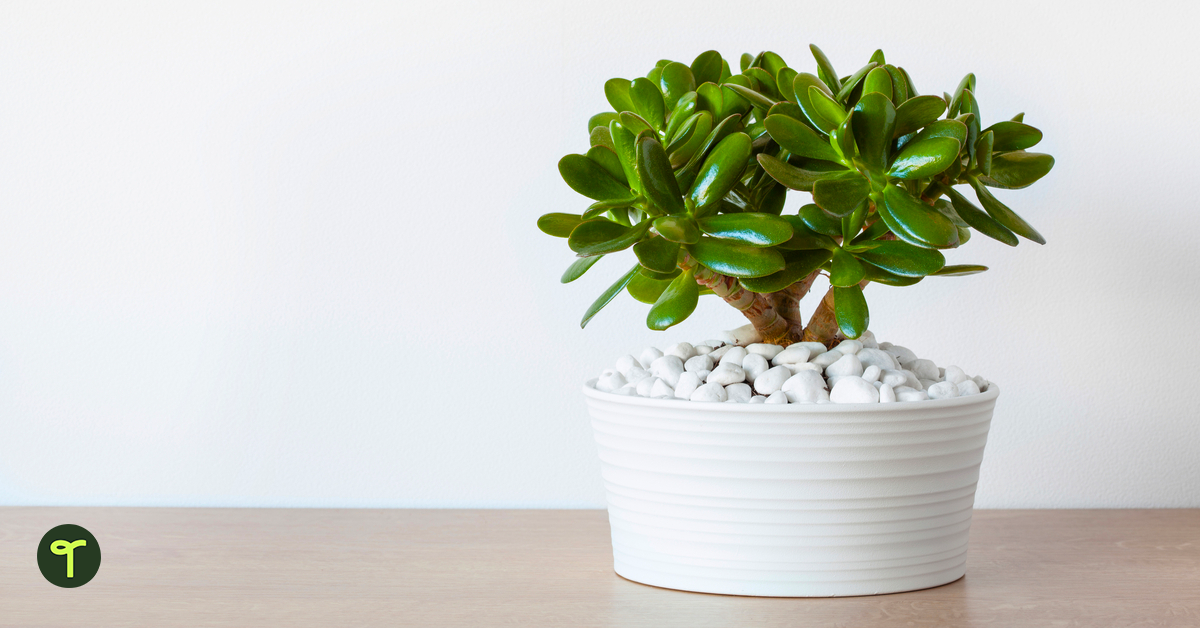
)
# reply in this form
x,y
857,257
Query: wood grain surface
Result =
x,y
278,567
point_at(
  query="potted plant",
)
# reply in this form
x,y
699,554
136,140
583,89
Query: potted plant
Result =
x,y
850,466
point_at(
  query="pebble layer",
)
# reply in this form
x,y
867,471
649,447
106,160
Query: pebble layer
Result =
x,y
737,368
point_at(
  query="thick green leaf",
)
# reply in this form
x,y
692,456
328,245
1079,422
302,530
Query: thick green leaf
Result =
x,y
721,170
971,106
558,225
676,303
820,221
578,267
591,179
773,201
983,151
625,146
899,87
913,221
707,67
943,128
826,107
841,194
1013,136
825,69
601,119
697,137
850,83
800,87
731,101
791,176
658,180
635,123
657,254
682,134
736,260
608,295
746,60
599,208
600,235
684,110
617,92
1002,213
978,219
675,81
879,275
607,160
763,82
805,238
851,309
601,136
968,83
1017,170
677,228
917,112
648,102
799,139
800,264
960,270
873,123
878,81
903,259
925,158
752,96
646,289
842,138
845,271
758,229
709,98
772,62
654,274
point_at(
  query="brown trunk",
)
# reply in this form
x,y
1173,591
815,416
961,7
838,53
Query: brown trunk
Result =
x,y
823,327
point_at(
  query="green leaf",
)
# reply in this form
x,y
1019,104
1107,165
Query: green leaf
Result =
x,y
657,254
878,81
736,260
825,69
600,235
617,92
700,131
772,63
918,112
826,107
851,309
625,146
841,194
983,152
752,96
658,180
873,123
599,208
648,102
683,133
601,120
578,267
773,201
979,220
804,238
799,139
707,67
943,128
676,303
800,87
925,158
608,295
675,81
1002,213
758,229
677,228
646,289
591,179
879,275
607,160
721,170
903,259
1017,170
1013,136
558,225
684,110
746,60
914,222
601,136
819,221
763,82
899,87
654,274
846,271
800,264
731,101
635,123
960,270
791,176
849,84
968,83
969,105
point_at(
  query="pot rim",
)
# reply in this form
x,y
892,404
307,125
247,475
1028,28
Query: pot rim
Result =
x,y
589,390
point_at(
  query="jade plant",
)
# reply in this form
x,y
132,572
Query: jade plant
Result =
x,y
692,167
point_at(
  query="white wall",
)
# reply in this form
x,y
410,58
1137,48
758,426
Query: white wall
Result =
x,y
243,246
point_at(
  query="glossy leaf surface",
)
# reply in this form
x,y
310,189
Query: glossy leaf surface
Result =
x,y
558,225
607,296
657,178
925,158
1013,136
979,220
873,123
591,179
913,221
799,139
676,303
917,112
904,259
721,170
648,102
758,229
850,307
841,194
736,260
846,271
677,228
578,268
1003,214
789,175
657,254
1017,170
800,264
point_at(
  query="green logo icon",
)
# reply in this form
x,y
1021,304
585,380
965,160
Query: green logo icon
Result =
x,y
69,556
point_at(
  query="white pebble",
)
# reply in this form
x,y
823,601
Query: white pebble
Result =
x,y
629,390
710,392
767,351
846,365
967,387
902,354
661,390
900,389
872,373
792,355
868,340
735,355
955,374
814,348
758,399
803,366
912,395
849,347
739,392
646,385
719,352
805,387
754,365
669,368
715,343
777,397
980,382
688,383
926,383
648,356
726,374
610,381
825,359
627,362
681,350
744,335
886,394
877,384
911,380
943,390
703,349
701,365
925,369
772,380
852,389
882,359
893,378
885,345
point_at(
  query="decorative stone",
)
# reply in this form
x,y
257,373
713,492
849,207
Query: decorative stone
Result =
x,y
726,374
893,378
646,385
648,356
926,383
629,390
609,381
943,390
868,340
980,382
886,394
777,398
967,387
804,366
703,349
758,399
754,365
772,380
739,392
669,368
954,374
911,380
792,355
636,374
925,369
745,335
681,350
902,354
853,389
846,365
710,392
825,359
882,359
735,355
849,347
814,348
871,373
701,365
912,395
624,363
688,383
719,352
661,390
767,351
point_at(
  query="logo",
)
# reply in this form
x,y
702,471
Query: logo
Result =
x,y
68,556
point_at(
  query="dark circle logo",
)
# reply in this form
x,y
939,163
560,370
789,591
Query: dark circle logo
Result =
x,y
68,556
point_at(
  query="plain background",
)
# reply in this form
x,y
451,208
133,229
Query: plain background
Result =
x,y
284,254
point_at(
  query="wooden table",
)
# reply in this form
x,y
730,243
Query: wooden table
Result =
x,y
334,568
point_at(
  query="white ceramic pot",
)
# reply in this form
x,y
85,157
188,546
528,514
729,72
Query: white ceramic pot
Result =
x,y
790,500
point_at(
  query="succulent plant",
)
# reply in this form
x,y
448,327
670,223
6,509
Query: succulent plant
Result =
x,y
692,166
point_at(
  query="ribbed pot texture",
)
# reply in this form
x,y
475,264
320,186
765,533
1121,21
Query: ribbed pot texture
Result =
x,y
790,500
